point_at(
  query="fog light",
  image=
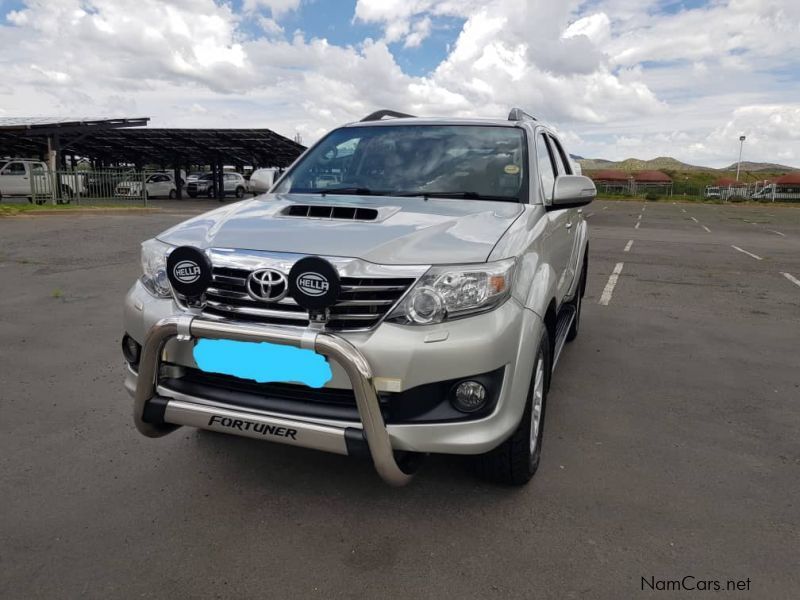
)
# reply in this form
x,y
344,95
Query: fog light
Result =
x,y
469,396
131,349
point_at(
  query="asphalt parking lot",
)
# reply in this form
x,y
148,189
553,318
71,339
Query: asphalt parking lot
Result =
x,y
671,444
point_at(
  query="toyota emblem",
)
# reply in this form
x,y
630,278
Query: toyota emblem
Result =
x,y
267,285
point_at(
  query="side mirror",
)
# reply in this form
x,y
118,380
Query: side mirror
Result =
x,y
571,191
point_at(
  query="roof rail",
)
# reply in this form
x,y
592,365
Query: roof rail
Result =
x,y
379,114
517,114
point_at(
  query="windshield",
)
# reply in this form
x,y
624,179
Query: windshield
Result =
x,y
459,161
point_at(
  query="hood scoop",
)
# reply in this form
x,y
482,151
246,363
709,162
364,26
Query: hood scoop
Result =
x,y
339,213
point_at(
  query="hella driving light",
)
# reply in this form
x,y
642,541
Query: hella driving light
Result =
x,y
454,291
154,267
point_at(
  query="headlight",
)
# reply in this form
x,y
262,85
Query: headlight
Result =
x,y
154,267
454,291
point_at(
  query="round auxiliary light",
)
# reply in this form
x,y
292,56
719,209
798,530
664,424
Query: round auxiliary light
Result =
x,y
469,396
425,306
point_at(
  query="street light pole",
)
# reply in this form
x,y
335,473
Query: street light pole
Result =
x,y
739,164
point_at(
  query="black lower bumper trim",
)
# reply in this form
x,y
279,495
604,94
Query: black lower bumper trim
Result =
x,y
154,410
356,443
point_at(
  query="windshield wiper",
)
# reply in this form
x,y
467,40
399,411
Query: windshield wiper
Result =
x,y
467,195
356,191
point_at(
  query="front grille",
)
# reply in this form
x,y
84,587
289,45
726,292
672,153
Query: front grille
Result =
x,y
362,302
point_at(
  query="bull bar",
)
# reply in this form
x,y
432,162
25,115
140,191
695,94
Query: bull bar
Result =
x,y
186,327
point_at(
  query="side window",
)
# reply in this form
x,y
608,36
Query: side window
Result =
x,y
15,168
37,168
546,165
564,166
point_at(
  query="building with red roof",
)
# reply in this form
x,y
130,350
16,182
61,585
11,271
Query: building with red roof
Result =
x,y
612,181
611,176
729,182
656,177
789,180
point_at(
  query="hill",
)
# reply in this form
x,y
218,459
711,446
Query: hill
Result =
x,y
758,166
667,163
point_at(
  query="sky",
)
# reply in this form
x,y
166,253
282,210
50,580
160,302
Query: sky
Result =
x,y
617,78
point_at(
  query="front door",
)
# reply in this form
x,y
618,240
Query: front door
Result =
x,y
16,181
559,236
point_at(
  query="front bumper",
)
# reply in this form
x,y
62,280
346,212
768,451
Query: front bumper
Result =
x,y
303,434
389,358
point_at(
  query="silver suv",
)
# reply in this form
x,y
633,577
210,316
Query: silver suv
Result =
x,y
405,288
203,185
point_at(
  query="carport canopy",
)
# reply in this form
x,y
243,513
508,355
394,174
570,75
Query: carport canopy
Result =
x,y
126,141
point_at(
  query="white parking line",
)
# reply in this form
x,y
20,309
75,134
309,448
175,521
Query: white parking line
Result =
x,y
628,246
605,207
693,219
706,228
683,210
794,280
637,224
778,232
605,298
589,215
746,252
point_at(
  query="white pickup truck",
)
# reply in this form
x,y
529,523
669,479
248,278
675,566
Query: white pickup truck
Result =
x,y
405,288
31,179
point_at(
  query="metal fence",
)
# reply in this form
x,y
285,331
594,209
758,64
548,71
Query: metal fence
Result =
x,y
758,192
110,186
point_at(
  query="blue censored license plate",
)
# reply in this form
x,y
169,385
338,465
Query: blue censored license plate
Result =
x,y
263,362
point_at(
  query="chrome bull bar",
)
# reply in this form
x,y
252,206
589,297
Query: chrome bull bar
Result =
x,y
354,363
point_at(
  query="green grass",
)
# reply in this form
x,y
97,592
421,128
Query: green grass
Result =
x,y
9,210
56,293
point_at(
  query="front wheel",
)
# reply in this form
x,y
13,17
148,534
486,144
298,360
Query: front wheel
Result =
x,y
240,192
515,461
173,194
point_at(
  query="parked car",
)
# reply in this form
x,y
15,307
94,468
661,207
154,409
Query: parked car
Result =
x,y
104,182
32,179
156,185
418,307
234,184
262,179
772,192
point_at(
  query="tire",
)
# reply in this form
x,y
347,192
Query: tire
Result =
x,y
577,302
210,192
173,194
66,195
240,192
515,461
192,195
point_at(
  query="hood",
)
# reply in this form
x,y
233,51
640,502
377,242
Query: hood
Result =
x,y
403,231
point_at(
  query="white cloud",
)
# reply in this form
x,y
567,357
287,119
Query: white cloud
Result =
x,y
276,7
195,63
420,30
